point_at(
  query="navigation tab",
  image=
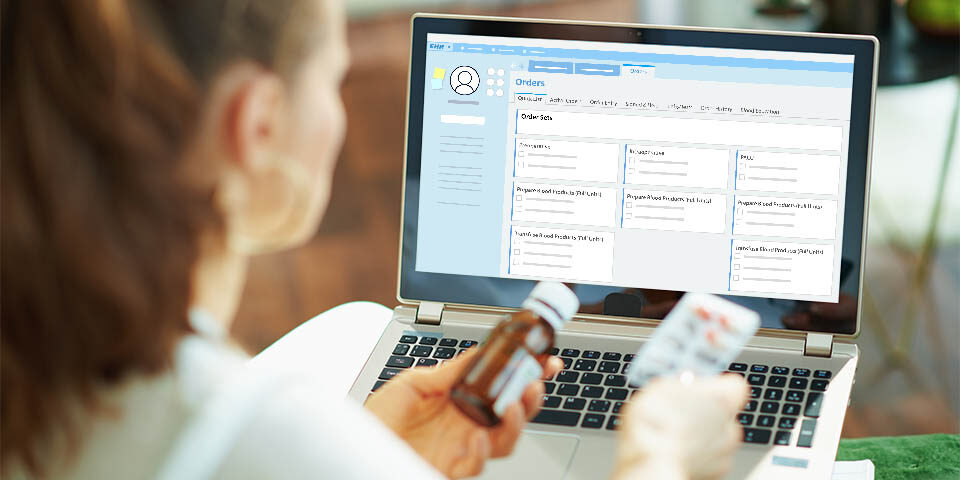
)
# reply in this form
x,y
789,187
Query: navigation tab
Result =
x,y
597,69
550,67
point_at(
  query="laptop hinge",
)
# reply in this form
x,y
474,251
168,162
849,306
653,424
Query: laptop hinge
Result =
x,y
429,313
818,345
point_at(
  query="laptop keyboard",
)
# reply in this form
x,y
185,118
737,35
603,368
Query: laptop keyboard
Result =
x,y
592,389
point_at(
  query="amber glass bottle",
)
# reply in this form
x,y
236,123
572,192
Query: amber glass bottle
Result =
x,y
514,353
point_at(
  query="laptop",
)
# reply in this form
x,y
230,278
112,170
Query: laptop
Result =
x,y
635,163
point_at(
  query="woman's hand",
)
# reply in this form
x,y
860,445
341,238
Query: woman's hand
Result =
x,y
416,405
681,430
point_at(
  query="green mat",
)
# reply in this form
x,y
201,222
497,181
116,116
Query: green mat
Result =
x,y
906,458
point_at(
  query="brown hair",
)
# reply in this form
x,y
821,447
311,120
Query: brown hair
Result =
x,y
101,226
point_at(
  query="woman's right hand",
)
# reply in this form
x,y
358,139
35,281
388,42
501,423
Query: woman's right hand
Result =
x,y
681,430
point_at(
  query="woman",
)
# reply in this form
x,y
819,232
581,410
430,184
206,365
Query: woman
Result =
x,y
149,150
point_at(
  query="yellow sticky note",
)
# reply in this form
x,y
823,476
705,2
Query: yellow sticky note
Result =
x,y
439,72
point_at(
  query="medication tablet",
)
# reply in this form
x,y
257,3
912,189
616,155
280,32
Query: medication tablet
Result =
x,y
701,335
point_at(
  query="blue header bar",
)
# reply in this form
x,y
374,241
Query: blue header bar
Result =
x,y
653,58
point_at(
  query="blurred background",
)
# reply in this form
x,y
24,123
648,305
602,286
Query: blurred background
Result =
x,y
909,377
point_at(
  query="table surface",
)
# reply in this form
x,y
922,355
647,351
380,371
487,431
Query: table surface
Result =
x,y
908,457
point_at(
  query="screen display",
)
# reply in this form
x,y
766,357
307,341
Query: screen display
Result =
x,y
638,169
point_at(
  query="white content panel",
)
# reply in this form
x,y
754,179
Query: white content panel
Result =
x,y
678,211
776,267
785,217
680,130
677,167
788,172
557,160
562,254
564,204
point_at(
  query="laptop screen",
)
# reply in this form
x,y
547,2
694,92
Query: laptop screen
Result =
x,y
638,170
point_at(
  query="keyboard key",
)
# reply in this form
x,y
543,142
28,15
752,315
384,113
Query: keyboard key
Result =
x,y
756,379
615,381
427,362
777,381
591,354
401,349
549,387
814,402
460,351
755,392
759,368
791,409
745,419
599,405
734,373
798,383
421,350
592,392
428,341
570,352
787,422
801,372
769,407
765,420
550,401
408,339
574,403
557,417
585,365
388,373
567,362
616,394
751,406
819,385
782,438
794,396
738,367
377,385
568,389
593,420
613,423
609,367
780,371
567,376
591,379
617,406
773,394
822,374
467,343
399,362
756,435
612,356
628,358
805,439
445,353
448,342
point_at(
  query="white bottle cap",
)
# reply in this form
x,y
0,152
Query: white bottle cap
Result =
x,y
553,302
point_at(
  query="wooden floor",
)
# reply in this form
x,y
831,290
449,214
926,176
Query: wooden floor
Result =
x,y
354,254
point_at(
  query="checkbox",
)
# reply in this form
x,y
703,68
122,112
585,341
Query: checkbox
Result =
x,y
516,261
739,221
740,177
736,266
520,154
519,197
737,255
629,204
739,211
736,278
516,251
629,215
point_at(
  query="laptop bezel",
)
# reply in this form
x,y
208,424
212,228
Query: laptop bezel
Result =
x,y
865,47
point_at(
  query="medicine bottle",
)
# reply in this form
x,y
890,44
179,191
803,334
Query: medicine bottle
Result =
x,y
514,354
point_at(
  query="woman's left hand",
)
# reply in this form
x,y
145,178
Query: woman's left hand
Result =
x,y
416,405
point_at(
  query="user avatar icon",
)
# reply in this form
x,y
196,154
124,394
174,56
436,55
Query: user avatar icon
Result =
x,y
464,80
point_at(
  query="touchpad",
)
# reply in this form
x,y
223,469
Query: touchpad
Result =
x,y
537,456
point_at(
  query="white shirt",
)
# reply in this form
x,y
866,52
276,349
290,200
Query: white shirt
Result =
x,y
267,424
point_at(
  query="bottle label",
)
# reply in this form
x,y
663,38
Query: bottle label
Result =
x,y
520,371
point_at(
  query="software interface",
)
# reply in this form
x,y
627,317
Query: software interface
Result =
x,y
679,168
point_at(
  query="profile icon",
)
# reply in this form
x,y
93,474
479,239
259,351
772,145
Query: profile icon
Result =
x,y
464,80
